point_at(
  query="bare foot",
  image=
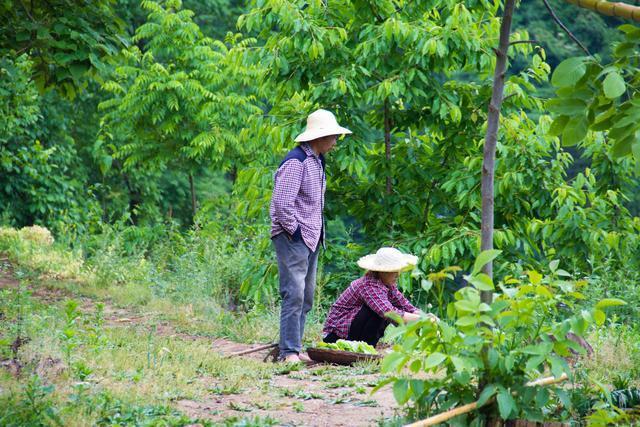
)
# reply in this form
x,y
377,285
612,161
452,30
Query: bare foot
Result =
x,y
291,358
303,357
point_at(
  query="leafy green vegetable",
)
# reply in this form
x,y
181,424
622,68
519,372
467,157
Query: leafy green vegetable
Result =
x,y
352,346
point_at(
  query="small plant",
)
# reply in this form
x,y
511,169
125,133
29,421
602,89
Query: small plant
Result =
x,y
33,406
94,329
68,335
435,282
239,407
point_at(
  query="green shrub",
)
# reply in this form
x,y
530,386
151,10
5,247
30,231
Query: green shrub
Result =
x,y
488,352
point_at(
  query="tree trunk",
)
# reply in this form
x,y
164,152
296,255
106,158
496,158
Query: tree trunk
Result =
x,y
621,10
194,202
493,122
387,142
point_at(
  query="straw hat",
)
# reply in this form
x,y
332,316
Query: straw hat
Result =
x,y
321,123
388,260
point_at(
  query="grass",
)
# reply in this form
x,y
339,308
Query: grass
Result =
x,y
110,344
138,341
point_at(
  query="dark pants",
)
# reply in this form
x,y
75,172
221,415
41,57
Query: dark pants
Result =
x,y
367,326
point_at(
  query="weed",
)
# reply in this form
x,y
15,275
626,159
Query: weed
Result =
x,y
297,406
300,393
68,335
239,407
263,405
369,403
249,422
342,382
225,389
32,406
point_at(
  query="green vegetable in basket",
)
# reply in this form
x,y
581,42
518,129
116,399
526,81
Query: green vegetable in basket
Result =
x,y
352,346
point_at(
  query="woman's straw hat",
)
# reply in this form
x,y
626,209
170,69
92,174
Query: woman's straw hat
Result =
x,y
388,260
321,123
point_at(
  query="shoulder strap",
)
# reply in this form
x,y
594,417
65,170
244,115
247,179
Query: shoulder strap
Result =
x,y
297,153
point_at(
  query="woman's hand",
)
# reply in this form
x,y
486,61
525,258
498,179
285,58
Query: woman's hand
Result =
x,y
410,317
433,317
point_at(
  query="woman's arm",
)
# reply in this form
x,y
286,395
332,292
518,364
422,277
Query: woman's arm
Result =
x,y
399,300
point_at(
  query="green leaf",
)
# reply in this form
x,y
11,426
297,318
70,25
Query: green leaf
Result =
x,y
534,277
486,394
484,258
393,362
558,125
462,364
564,398
575,130
401,391
382,384
534,362
566,106
434,359
568,72
553,265
613,85
600,317
622,148
610,302
467,321
506,404
482,282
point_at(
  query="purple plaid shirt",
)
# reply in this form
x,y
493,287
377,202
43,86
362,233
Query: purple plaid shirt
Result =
x,y
367,290
298,196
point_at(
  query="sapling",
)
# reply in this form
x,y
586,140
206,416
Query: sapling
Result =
x,y
68,335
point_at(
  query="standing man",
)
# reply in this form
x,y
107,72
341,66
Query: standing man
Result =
x,y
297,225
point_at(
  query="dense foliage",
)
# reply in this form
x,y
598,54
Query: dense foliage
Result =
x,y
145,136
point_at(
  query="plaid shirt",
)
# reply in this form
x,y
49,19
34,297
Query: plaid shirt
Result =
x,y
298,196
367,290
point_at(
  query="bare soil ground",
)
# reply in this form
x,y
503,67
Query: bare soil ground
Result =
x,y
317,395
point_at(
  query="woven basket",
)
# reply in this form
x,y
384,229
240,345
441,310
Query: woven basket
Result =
x,y
339,357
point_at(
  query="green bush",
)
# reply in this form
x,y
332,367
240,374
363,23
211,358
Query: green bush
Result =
x,y
489,352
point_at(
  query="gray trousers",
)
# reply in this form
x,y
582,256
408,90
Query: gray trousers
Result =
x,y
297,266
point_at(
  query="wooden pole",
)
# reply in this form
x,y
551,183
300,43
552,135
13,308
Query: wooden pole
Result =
x,y
620,10
252,350
440,418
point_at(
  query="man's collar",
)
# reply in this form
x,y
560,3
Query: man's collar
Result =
x,y
307,149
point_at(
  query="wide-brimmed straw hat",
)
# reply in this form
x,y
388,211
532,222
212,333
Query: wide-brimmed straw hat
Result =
x,y
388,260
321,123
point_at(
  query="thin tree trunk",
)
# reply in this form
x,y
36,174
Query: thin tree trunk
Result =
x,y
387,142
621,10
493,122
194,202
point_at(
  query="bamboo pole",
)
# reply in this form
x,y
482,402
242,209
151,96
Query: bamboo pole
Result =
x,y
440,418
620,10
252,350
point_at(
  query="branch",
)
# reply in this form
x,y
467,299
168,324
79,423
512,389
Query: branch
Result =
x,y
27,11
621,10
564,28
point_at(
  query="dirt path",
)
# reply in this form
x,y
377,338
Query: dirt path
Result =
x,y
318,395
